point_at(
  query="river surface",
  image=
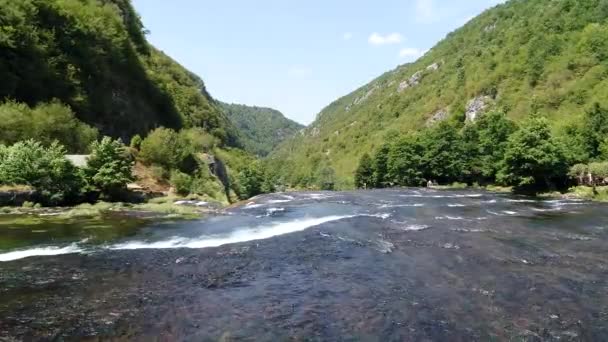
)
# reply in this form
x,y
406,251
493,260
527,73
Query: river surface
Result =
x,y
386,265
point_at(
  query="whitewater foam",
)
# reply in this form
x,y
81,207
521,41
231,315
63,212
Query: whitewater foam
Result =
x,y
271,212
40,251
243,235
413,205
447,217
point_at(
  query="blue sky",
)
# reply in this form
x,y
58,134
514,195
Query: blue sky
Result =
x,y
298,56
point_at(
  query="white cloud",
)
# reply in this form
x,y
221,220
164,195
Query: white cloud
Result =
x,y
391,38
426,11
411,53
299,71
347,36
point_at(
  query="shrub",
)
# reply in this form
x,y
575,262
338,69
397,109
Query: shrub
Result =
x,y
159,172
181,182
46,169
163,147
197,140
599,171
136,142
579,172
109,167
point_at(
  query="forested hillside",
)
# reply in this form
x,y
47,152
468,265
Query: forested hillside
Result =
x,y
262,129
92,57
546,58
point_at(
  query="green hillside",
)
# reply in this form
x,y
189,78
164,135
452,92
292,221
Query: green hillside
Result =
x,y
262,129
92,55
548,57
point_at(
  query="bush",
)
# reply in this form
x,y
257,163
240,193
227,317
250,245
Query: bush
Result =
x,y
599,171
181,182
46,169
109,167
159,172
164,147
197,140
136,142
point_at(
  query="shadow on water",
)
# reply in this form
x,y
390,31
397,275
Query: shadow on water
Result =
x,y
385,265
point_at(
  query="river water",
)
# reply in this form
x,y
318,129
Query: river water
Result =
x,y
385,265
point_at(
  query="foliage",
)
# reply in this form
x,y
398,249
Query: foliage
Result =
x,y
533,159
44,168
197,140
485,144
181,182
444,154
364,175
109,167
250,181
599,172
164,147
262,129
543,56
405,161
47,122
136,141
595,130
93,56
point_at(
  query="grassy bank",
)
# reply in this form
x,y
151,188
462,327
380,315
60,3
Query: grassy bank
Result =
x,y
158,208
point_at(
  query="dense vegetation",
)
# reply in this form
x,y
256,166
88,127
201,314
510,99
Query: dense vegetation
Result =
x,y
57,180
262,129
491,150
542,57
194,163
74,69
92,56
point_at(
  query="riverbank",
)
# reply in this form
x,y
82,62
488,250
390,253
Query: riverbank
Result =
x,y
158,208
578,192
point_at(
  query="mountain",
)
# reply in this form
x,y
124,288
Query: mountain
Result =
x,y
525,56
262,129
93,56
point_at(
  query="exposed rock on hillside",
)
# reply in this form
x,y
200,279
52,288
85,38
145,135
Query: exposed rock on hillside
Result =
x,y
437,117
476,107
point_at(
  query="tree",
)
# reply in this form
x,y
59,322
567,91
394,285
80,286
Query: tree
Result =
x,y
533,160
444,153
364,175
380,166
595,129
109,167
46,123
485,142
325,177
405,161
44,168
250,181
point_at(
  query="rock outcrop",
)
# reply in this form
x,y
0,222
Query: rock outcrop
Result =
x,y
437,117
476,107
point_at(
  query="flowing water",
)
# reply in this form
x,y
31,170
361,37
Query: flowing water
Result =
x,y
386,265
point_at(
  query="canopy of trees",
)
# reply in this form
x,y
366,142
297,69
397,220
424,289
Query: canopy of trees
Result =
x,y
261,129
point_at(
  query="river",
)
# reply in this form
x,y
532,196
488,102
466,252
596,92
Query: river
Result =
x,y
383,265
